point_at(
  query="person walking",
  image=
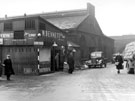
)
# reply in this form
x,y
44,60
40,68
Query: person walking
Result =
x,y
70,61
119,63
8,71
57,62
130,66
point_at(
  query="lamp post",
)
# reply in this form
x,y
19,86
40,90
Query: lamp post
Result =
x,y
53,64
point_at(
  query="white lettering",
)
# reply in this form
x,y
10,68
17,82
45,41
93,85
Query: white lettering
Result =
x,y
52,34
6,35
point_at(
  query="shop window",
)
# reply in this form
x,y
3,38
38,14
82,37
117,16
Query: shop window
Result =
x,y
18,34
7,26
42,26
29,24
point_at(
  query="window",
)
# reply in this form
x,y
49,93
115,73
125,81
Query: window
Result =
x,y
42,26
7,26
18,34
29,24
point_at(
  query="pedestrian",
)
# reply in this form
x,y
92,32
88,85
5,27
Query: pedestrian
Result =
x,y
8,67
119,63
70,61
130,66
57,62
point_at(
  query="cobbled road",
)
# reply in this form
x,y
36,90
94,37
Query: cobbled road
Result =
x,y
100,84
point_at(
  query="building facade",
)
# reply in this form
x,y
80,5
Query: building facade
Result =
x,y
29,40
83,29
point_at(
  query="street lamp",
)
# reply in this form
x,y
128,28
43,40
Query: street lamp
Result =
x,y
54,44
39,34
74,50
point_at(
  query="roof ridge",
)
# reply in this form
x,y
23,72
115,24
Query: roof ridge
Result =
x,y
47,14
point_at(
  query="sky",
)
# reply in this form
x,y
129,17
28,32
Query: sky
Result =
x,y
115,17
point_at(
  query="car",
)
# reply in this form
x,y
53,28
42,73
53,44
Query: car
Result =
x,y
96,60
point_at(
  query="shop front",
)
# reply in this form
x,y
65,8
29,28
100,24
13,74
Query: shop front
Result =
x,y
50,47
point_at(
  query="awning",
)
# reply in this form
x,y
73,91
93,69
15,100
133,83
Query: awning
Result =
x,y
72,44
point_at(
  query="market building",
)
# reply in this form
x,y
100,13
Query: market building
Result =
x,y
83,29
32,43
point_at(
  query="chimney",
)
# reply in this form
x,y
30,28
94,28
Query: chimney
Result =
x,y
25,14
91,9
6,16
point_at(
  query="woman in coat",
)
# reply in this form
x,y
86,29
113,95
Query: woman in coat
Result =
x,y
70,61
119,61
8,67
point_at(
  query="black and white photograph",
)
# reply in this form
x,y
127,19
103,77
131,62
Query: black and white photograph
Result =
x,y
67,50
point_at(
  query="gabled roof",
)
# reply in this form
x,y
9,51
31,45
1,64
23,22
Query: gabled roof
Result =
x,y
66,19
67,22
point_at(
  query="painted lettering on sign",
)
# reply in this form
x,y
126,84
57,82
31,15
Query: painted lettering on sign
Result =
x,y
6,35
30,35
1,41
53,34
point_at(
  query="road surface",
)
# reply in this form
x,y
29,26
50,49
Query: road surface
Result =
x,y
83,85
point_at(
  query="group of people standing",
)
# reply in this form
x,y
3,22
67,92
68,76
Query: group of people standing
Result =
x,y
7,66
60,60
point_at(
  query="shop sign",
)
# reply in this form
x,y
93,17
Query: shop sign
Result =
x,y
30,35
38,43
1,41
27,70
43,70
6,35
51,34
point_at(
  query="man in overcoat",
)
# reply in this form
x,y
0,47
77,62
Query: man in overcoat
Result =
x,y
8,71
70,61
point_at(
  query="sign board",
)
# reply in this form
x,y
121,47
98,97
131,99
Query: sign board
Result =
x,y
38,43
1,41
43,70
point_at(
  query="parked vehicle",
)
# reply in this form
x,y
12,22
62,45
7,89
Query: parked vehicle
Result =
x,y
96,60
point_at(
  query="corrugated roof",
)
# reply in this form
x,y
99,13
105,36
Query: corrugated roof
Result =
x,y
67,22
66,19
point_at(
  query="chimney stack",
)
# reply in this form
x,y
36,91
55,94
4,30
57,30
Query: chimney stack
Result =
x,y
91,9
25,14
5,15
